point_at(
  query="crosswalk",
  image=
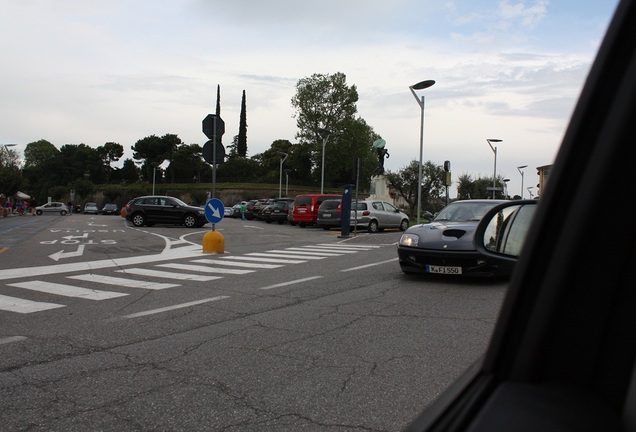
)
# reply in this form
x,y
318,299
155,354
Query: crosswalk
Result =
x,y
163,275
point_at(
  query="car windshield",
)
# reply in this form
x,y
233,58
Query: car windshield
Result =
x,y
465,211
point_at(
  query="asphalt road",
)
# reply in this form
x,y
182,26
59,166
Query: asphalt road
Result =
x,y
289,329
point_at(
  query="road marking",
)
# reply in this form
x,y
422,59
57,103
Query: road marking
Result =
x,y
12,339
67,290
297,281
259,259
369,265
178,253
61,254
178,306
12,304
303,251
204,269
237,264
123,282
349,246
332,249
168,275
286,254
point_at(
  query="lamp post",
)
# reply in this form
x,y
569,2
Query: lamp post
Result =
x,y
494,174
519,168
287,182
324,134
530,191
154,175
505,187
420,86
280,177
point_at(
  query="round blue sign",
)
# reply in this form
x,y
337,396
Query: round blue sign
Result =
x,y
214,210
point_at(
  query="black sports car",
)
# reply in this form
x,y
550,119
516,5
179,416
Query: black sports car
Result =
x,y
445,245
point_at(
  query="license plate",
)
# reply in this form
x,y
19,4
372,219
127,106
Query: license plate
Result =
x,y
443,269
302,210
326,215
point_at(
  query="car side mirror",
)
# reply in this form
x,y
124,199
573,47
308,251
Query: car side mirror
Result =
x,y
428,215
502,231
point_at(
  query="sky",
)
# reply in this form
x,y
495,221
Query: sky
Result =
x,y
88,71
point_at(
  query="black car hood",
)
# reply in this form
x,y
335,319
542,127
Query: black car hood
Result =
x,y
445,235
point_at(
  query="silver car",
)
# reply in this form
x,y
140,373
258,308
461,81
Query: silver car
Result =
x,y
376,215
51,208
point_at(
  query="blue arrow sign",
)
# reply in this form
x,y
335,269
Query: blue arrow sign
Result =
x,y
214,210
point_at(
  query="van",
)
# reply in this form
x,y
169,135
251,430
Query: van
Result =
x,y
306,207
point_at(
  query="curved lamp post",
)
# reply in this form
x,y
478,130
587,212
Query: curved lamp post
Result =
x,y
494,174
280,177
530,191
519,168
324,134
420,86
154,175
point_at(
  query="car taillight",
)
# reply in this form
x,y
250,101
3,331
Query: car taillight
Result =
x,y
339,209
366,213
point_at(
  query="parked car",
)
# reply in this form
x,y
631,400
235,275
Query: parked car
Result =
x,y
278,211
376,216
52,208
306,207
150,210
91,208
445,245
227,211
329,214
110,209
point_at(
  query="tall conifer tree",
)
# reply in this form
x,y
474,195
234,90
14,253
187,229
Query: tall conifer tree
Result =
x,y
242,135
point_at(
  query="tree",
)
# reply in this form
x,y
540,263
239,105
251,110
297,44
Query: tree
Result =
x,y
10,175
405,184
153,149
467,188
41,168
241,143
110,152
326,101
188,164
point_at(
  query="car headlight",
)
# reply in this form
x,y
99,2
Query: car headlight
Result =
x,y
409,240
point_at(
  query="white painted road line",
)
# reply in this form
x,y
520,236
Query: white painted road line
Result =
x,y
12,339
331,249
286,254
67,290
174,307
369,265
204,269
269,260
123,282
297,281
237,264
349,246
169,275
304,251
12,304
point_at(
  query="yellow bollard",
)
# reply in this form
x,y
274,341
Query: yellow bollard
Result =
x,y
213,242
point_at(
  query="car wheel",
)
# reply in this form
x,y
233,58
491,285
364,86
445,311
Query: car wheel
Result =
x,y
138,219
404,225
190,221
374,227
63,212
38,212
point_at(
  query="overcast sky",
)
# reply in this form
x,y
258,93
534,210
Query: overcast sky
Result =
x,y
85,71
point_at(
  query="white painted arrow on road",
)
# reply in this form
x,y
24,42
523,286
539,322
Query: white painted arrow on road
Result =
x,y
61,254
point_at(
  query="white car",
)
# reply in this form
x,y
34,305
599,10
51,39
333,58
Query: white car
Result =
x,y
51,208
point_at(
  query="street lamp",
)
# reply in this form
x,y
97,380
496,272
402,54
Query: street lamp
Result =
x,y
280,177
494,174
530,191
287,182
324,134
519,168
420,86
505,191
154,175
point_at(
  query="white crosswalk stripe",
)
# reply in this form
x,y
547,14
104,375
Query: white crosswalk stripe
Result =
x,y
67,290
122,282
18,305
204,269
169,275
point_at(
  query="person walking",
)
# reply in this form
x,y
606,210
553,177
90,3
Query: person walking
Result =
x,y
243,210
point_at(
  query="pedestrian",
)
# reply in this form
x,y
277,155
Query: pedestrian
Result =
x,y
243,210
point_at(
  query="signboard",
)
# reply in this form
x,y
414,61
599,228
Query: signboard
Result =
x,y
214,210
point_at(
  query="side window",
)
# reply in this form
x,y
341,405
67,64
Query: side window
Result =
x,y
377,206
388,207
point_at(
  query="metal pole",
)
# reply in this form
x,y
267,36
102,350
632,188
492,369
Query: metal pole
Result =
x,y
280,180
419,177
494,176
322,178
